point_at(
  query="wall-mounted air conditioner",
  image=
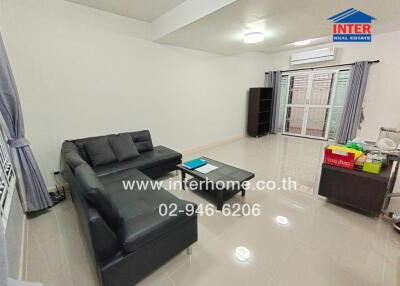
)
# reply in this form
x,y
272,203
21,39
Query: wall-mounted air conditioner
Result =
x,y
320,55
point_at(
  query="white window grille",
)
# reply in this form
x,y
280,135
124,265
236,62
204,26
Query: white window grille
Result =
x,y
302,96
7,180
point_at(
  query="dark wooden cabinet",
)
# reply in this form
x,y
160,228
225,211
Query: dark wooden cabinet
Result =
x,y
360,190
259,111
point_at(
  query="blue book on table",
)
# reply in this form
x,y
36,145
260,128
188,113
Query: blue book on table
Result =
x,y
195,163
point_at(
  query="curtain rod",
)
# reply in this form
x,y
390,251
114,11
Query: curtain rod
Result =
x,y
324,67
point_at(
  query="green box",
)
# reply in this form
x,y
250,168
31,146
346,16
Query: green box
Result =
x,y
372,167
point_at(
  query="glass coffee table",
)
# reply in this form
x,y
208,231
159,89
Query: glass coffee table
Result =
x,y
222,183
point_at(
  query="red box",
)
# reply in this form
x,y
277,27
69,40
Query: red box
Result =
x,y
339,158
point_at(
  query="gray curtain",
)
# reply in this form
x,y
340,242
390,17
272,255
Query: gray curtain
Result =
x,y
352,115
33,191
273,80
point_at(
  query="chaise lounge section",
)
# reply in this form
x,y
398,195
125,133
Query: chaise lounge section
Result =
x,y
126,235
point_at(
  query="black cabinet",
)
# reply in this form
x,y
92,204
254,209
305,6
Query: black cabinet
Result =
x,y
360,190
259,116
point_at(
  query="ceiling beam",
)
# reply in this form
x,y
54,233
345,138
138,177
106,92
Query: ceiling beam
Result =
x,y
184,14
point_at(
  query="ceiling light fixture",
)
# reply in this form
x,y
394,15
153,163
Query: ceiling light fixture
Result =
x,y
302,43
253,37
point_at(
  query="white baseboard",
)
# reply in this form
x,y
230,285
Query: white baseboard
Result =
x,y
212,144
22,275
54,189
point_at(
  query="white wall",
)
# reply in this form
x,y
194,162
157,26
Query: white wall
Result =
x,y
83,72
382,97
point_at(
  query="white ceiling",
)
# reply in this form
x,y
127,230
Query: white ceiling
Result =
x,y
283,22
219,25
144,10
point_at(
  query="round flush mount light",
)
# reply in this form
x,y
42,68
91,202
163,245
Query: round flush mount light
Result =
x,y
282,220
253,37
302,43
242,253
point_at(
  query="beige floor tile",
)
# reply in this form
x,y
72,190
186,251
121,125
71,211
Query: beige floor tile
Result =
x,y
158,277
391,272
321,243
311,266
217,266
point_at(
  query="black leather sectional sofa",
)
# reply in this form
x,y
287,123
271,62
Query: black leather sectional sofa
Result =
x,y
126,234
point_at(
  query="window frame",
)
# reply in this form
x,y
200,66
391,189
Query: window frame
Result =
x,y
310,74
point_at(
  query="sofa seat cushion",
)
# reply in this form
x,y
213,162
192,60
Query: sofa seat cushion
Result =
x,y
159,155
114,182
142,195
139,208
142,220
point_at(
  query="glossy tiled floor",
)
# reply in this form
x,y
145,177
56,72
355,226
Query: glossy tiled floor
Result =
x,y
322,244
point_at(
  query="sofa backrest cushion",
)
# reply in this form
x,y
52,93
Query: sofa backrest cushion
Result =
x,y
99,152
142,140
94,192
80,144
123,147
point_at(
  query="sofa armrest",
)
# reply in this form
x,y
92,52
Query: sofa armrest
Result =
x,y
104,240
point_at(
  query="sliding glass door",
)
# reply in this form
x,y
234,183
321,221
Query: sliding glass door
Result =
x,y
296,104
309,103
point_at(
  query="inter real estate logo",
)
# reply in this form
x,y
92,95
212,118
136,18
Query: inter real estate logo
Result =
x,y
352,25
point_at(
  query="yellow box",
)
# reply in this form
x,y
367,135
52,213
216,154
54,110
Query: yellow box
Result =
x,y
372,167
